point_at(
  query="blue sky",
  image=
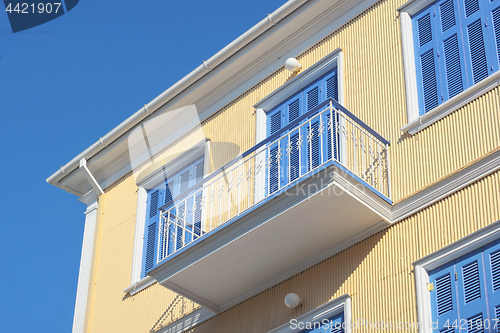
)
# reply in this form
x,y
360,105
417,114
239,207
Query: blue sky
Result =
x,y
63,85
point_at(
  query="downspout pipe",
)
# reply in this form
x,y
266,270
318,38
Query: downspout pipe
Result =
x,y
178,87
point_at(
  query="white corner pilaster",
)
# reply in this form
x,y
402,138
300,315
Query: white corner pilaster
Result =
x,y
85,268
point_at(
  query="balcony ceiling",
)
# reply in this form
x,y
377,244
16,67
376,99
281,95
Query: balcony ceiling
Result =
x,y
276,240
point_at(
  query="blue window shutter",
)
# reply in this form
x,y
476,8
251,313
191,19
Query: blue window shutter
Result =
x,y
424,28
477,51
294,157
180,227
312,95
334,324
452,66
444,305
154,197
473,19
332,137
150,248
471,289
493,10
274,121
492,272
471,7
274,176
293,108
313,145
197,215
332,86
198,171
449,36
496,26
425,44
184,181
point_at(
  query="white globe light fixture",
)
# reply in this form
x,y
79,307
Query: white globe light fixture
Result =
x,y
292,65
292,300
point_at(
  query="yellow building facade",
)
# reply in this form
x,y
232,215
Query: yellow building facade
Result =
x,y
441,187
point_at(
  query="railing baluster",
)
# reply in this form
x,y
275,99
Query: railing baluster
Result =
x,y
362,150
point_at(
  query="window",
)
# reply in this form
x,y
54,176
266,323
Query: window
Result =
x,y
456,45
331,317
298,161
189,226
330,325
466,291
458,286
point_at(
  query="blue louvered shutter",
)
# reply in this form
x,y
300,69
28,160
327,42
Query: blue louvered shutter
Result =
x,y
443,297
294,156
471,290
313,96
154,198
274,120
197,213
493,11
492,272
473,18
273,169
425,44
313,145
332,137
450,51
334,324
185,218
293,109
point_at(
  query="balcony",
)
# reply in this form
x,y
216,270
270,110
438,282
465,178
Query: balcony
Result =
x,y
316,187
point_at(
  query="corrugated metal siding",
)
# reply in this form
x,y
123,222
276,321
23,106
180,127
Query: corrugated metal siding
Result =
x,y
375,92
377,272
110,309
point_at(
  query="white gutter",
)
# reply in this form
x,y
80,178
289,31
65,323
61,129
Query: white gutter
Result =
x,y
178,87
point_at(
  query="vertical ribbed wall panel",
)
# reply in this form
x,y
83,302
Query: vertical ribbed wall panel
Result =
x,y
110,309
376,272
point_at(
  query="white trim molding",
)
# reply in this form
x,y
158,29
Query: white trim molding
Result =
x,y
417,122
84,278
453,104
140,220
451,252
325,311
446,187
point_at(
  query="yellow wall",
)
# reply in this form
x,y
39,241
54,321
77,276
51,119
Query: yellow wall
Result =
x,y
110,309
377,272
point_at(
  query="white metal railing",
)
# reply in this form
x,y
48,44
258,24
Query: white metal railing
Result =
x,y
329,133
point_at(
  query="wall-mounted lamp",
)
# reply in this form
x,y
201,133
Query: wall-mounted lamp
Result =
x,y
292,65
292,300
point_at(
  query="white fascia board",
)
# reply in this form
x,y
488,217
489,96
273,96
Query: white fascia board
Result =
x,y
221,56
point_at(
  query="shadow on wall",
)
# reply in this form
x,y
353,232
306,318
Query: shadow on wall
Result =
x,y
176,310
317,285
222,153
